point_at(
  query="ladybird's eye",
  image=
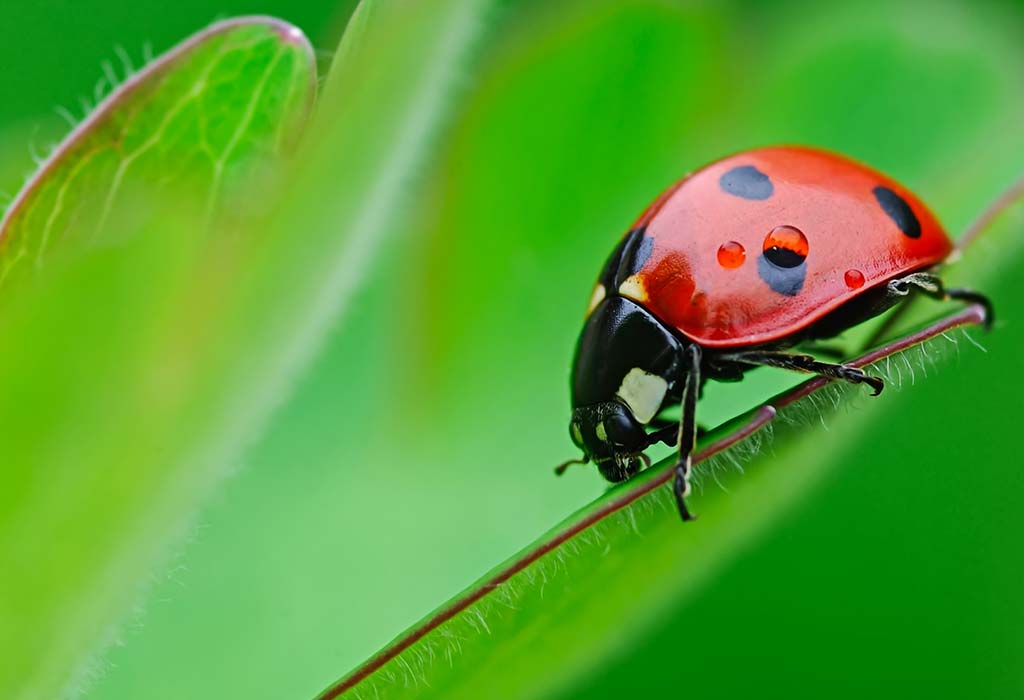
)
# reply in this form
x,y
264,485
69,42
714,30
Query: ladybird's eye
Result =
x,y
618,428
785,246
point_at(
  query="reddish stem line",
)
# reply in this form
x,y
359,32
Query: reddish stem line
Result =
x,y
972,315
1010,195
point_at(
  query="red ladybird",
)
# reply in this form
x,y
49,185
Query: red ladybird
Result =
x,y
730,266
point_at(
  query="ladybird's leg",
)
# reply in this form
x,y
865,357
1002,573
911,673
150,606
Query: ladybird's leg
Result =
x,y
667,434
933,287
687,429
830,351
809,365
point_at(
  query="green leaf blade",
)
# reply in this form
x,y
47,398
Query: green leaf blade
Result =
x,y
92,266
518,628
235,93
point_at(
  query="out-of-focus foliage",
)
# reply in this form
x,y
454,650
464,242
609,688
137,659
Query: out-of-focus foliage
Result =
x,y
136,370
417,451
106,351
191,122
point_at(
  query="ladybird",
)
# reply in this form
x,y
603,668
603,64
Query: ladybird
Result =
x,y
725,271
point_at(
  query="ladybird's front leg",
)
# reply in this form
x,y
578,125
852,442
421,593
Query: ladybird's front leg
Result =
x,y
687,430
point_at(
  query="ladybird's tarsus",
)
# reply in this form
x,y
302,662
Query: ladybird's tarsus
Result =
x,y
681,488
876,384
854,375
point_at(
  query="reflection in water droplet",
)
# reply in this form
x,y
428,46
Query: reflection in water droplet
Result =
x,y
854,279
731,255
786,246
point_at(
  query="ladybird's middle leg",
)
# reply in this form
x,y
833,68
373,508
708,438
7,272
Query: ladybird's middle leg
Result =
x,y
809,365
687,430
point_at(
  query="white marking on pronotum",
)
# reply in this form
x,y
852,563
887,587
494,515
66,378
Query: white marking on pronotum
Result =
x,y
644,393
601,432
596,298
633,288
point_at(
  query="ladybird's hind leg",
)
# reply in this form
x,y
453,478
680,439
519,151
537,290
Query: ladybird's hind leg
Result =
x,y
899,289
808,365
687,430
932,286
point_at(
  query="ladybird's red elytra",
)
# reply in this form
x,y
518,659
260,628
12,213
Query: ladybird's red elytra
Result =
x,y
731,265
831,201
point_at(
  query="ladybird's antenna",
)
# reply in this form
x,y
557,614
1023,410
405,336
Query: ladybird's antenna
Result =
x,y
1010,196
560,469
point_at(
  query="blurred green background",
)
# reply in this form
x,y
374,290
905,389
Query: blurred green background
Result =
x,y
416,452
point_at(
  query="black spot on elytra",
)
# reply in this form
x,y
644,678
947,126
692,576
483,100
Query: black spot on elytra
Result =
x,y
898,210
747,182
783,257
784,280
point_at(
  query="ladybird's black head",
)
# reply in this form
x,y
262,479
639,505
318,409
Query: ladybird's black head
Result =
x,y
626,364
611,437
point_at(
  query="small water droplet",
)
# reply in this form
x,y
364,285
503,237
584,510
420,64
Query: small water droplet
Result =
x,y
731,255
854,279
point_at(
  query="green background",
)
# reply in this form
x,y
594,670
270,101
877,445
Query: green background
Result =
x,y
416,452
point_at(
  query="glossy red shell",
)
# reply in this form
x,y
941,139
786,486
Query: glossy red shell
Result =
x,y
852,245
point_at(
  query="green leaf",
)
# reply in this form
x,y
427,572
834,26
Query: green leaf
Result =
x,y
199,117
134,375
93,484
517,628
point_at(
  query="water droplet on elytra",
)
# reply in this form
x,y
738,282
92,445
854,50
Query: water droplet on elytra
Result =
x,y
786,246
731,255
854,279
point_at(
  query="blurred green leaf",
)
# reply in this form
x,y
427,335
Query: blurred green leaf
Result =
x,y
194,120
134,375
94,481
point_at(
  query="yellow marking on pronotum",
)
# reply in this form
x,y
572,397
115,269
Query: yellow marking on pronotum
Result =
x,y
633,288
